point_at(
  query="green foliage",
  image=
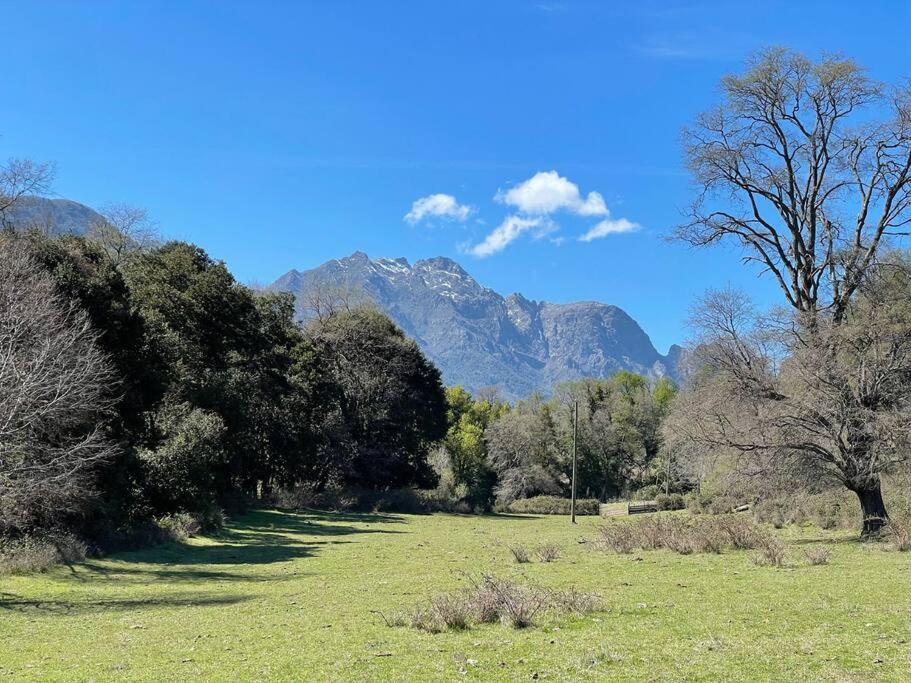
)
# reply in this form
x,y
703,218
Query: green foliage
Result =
x,y
619,442
466,474
388,405
223,397
673,501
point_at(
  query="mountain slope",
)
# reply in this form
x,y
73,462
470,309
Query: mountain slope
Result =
x,y
479,338
52,216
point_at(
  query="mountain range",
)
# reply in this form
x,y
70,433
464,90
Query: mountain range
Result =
x,y
479,338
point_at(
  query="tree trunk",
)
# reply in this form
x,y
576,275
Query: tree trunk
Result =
x,y
873,508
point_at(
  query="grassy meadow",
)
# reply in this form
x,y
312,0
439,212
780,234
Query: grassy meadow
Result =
x,y
298,596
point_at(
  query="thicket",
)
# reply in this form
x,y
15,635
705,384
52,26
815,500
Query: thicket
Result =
x,y
163,391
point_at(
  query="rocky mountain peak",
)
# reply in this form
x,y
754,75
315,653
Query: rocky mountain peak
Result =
x,y
479,338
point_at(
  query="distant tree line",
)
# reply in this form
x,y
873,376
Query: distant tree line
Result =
x,y
494,454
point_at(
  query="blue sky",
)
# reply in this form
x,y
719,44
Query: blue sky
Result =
x,y
280,135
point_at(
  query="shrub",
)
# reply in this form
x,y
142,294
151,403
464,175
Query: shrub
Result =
x,y
651,531
772,552
827,510
682,535
899,532
572,601
490,599
817,556
674,501
516,605
554,505
403,500
447,611
649,492
621,538
179,526
548,552
39,553
519,554
741,533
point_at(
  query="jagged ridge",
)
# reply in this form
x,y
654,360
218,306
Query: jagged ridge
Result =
x,y
479,338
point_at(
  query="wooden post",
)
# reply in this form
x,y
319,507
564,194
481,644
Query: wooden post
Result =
x,y
572,500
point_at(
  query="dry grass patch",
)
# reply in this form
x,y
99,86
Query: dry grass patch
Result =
x,y
682,535
898,531
818,556
491,599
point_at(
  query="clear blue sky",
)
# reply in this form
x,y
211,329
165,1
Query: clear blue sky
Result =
x,y
280,135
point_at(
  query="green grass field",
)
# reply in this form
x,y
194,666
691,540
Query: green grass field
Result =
x,y
293,597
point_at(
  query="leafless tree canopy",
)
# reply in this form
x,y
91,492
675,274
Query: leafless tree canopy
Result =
x,y
55,386
20,178
123,229
795,166
831,403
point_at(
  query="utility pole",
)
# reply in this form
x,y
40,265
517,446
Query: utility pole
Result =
x,y
572,500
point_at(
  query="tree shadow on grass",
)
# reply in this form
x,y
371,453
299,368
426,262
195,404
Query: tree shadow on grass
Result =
x,y
829,540
258,538
14,603
332,516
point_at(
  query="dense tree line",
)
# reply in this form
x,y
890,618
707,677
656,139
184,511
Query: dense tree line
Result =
x,y
162,385
139,382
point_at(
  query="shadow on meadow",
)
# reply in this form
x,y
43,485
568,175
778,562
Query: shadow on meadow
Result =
x,y
261,537
257,538
15,603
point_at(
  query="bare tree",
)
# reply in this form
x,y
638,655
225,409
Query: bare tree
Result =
x,y
20,178
55,389
807,166
323,300
123,229
795,168
832,404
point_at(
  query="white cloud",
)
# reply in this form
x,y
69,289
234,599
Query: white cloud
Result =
x,y
547,192
509,230
609,226
437,206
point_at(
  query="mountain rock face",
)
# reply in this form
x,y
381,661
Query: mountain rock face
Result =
x,y
52,216
477,337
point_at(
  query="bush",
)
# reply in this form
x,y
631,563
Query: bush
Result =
x,y
406,500
818,556
40,553
772,552
741,532
490,599
442,612
682,535
621,538
649,492
833,509
554,505
519,554
899,532
674,501
179,526
548,553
